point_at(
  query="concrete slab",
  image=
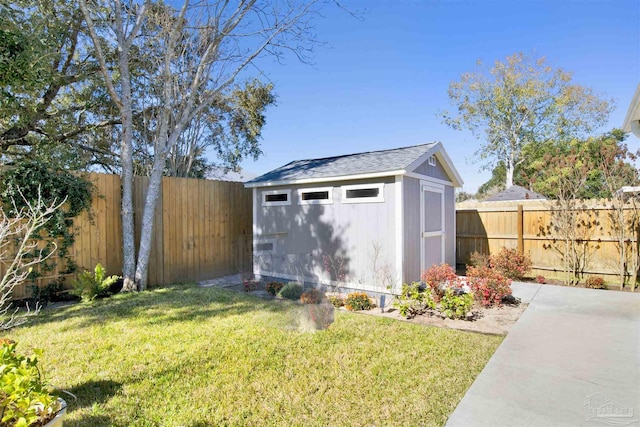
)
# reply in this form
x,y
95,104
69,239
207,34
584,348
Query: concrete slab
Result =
x,y
573,358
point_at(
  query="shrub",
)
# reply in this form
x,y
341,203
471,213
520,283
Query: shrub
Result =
x,y
595,282
292,291
488,285
478,260
456,305
274,287
336,301
89,286
312,296
510,263
541,280
440,277
26,398
414,300
251,285
358,301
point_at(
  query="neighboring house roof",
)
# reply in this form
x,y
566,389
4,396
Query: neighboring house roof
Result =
x,y
632,119
221,174
515,192
397,161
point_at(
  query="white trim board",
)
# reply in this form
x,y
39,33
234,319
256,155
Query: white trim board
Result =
x,y
315,281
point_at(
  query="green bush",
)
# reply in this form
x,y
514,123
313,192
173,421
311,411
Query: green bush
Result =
x,y
456,306
90,285
414,300
292,291
358,301
336,301
26,398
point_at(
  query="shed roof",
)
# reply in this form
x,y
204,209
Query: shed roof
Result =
x,y
515,192
396,161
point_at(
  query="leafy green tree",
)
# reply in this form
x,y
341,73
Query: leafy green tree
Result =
x,y
521,103
48,107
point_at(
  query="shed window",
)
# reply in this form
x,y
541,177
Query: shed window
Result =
x,y
261,247
316,196
432,160
276,198
365,193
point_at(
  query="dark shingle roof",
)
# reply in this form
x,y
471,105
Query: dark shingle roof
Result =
x,y
515,192
350,164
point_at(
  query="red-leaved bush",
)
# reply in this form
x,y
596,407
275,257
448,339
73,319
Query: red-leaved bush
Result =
x,y
488,285
442,274
510,263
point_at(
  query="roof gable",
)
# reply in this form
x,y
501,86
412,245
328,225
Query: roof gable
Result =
x,y
395,161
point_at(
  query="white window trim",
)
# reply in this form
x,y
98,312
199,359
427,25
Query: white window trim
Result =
x,y
378,199
256,242
432,160
272,192
328,201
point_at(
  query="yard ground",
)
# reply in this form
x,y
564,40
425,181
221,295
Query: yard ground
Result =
x,y
195,356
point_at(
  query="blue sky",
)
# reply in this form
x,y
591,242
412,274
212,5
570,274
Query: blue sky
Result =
x,y
378,83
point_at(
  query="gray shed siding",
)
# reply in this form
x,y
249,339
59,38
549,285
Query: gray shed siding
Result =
x,y
436,171
303,234
411,213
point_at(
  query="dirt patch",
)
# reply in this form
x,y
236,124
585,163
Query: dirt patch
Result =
x,y
495,320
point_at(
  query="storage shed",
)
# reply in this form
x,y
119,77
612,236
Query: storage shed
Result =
x,y
367,221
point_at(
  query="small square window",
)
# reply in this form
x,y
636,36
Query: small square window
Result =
x,y
432,160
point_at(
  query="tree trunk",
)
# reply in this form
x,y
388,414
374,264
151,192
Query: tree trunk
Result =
x,y
148,216
510,166
126,157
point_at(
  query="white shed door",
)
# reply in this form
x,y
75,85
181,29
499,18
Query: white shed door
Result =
x,y
432,224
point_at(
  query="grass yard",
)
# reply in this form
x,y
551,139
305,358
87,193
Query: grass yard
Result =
x,y
189,356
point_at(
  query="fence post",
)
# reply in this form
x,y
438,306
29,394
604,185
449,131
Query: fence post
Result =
x,y
520,230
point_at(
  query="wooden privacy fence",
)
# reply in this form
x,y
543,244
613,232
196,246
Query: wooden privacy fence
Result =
x,y
203,229
528,226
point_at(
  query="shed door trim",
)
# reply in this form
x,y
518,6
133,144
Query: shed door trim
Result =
x,y
434,188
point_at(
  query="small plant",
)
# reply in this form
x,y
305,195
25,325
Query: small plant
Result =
x,y
312,296
251,285
292,291
440,277
26,399
510,263
89,286
541,280
488,285
336,301
414,300
358,301
46,294
456,305
274,287
476,259
595,282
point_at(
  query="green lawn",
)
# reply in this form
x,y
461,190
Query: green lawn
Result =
x,y
189,356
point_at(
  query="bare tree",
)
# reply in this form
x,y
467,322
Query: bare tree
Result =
x,y
20,252
205,47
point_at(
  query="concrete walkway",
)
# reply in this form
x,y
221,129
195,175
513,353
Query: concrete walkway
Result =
x,y
572,359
